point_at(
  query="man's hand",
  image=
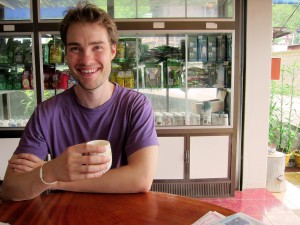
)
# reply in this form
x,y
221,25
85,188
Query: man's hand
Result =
x,y
77,162
25,162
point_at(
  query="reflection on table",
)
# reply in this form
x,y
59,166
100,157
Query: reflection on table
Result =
x,y
84,208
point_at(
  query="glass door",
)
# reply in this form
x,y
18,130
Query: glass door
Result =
x,y
17,80
187,77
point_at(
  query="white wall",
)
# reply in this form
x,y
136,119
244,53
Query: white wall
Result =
x,y
7,147
258,73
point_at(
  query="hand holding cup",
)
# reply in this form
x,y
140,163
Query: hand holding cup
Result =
x,y
107,152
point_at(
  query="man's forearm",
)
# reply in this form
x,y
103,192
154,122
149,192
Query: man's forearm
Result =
x,y
135,177
22,186
121,180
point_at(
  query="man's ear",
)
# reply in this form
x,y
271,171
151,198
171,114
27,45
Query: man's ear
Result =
x,y
113,51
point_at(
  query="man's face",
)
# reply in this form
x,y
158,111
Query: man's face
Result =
x,y
89,54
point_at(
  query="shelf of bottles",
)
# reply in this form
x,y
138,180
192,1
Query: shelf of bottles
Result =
x,y
187,77
17,99
56,75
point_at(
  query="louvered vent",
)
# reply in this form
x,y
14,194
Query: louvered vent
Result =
x,y
218,189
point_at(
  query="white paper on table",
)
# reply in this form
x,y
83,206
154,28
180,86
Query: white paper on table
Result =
x,y
209,218
239,219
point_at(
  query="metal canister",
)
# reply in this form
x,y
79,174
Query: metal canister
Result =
x,y
158,117
168,119
178,119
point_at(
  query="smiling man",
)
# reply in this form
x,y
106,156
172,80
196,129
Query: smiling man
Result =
x,y
93,109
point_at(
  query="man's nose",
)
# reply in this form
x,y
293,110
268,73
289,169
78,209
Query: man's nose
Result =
x,y
85,56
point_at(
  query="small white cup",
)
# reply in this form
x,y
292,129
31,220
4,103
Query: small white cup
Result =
x,y
107,152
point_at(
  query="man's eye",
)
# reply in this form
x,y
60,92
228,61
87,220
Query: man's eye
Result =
x,y
98,47
74,49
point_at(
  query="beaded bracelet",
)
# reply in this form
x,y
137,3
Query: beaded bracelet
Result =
x,y
41,176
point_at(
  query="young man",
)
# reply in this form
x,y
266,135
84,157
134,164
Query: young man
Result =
x,y
93,109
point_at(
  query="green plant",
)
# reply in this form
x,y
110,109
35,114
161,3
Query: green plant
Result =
x,y
282,130
30,101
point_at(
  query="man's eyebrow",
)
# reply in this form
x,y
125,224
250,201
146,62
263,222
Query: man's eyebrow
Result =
x,y
96,43
91,43
73,43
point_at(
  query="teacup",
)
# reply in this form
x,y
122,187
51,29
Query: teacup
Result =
x,y
107,152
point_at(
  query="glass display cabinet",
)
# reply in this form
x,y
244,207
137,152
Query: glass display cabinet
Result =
x,y
183,55
17,80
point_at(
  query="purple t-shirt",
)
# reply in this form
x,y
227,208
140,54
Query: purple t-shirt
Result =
x,y
126,120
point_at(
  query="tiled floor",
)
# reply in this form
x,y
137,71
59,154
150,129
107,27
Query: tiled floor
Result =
x,y
271,208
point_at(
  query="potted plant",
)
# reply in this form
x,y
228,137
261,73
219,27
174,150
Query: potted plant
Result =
x,y
283,132
296,154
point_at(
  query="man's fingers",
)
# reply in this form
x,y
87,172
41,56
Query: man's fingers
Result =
x,y
20,168
29,157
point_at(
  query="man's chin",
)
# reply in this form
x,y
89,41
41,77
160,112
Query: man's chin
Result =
x,y
89,87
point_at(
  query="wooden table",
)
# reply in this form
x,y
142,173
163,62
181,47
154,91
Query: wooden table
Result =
x,y
129,209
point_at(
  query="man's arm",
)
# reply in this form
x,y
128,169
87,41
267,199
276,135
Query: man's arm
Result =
x,y
23,181
135,177
21,178
73,171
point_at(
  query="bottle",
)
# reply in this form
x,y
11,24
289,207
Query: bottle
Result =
x,y
2,82
18,53
114,73
206,109
120,78
45,53
129,79
17,82
10,51
25,80
55,51
27,57
152,72
55,79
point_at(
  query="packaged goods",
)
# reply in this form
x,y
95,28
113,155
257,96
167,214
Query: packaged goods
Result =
x,y
168,118
120,78
45,48
178,119
158,118
31,80
192,49
10,50
174,73
132,48
120,54
152,75
25,80
202,48
114,73
17,81
18,52
229,47
63,80
55,51
49,71
129,79
2,82
27,58
212,48
221,47
205,113
227,75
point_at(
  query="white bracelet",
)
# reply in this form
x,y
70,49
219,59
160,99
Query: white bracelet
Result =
x,y
41,176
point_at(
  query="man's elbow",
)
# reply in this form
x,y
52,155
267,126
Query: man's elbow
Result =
x,y
144,184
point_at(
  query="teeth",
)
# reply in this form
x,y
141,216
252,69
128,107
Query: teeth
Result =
x,y
88,71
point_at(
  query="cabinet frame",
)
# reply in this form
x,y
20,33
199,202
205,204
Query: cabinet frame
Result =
x,y
206,187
